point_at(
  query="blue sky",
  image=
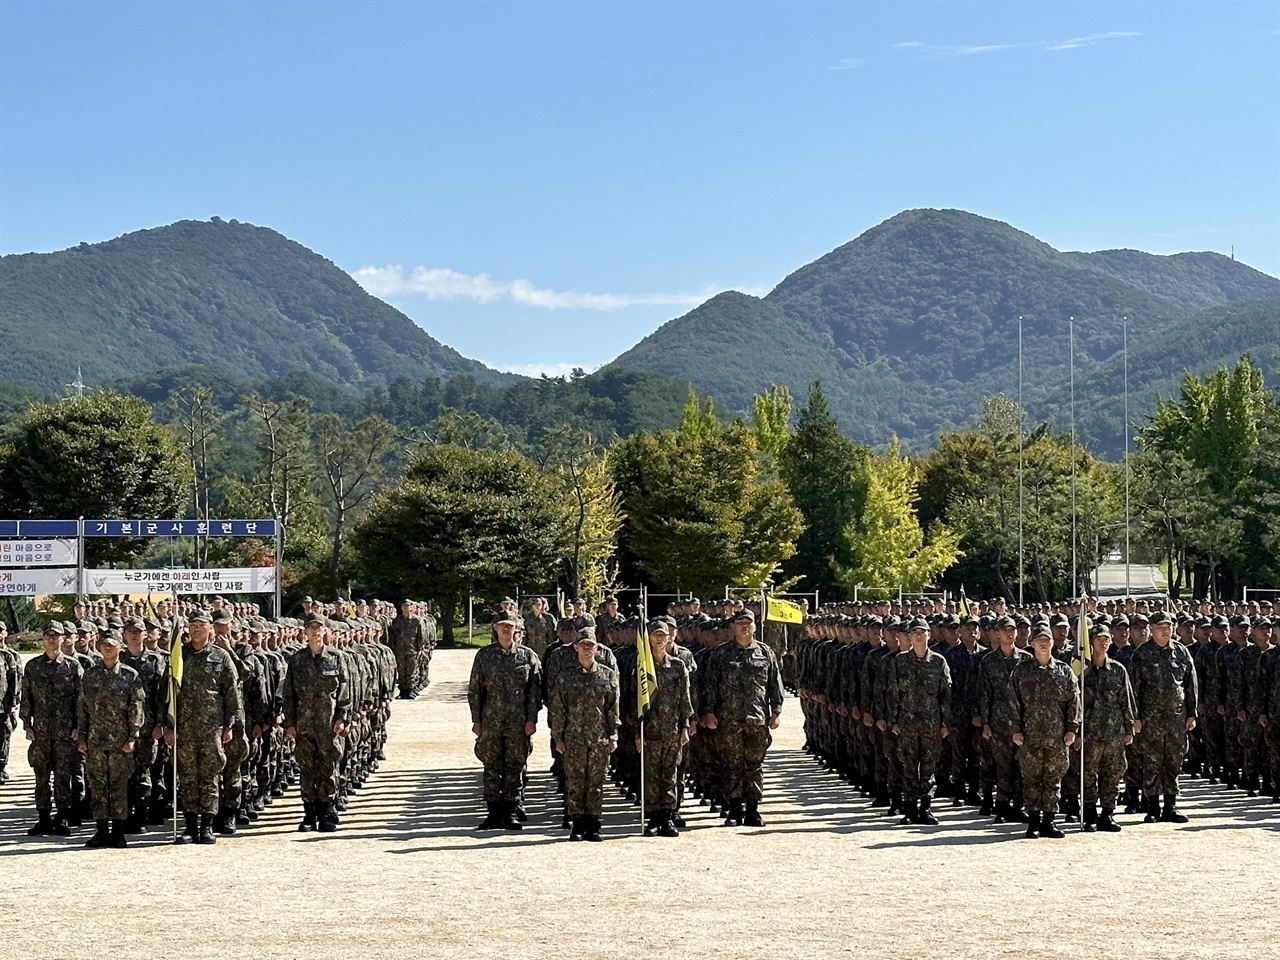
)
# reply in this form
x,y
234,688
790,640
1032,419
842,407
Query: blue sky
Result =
x,y
541,184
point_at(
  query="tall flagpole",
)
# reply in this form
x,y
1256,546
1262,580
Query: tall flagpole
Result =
x,y
644,632
1128,588
1071,332
1019,417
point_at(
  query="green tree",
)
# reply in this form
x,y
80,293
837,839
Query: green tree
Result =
x,y
699,514
889,546
594,511
823,469
463,522
771,416
100,455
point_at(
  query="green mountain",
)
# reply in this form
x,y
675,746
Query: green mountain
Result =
x,y
911,324
224,293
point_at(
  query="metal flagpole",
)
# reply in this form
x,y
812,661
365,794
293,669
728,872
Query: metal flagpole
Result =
x,y
1128,589
173,687
1071,332
1019,418
644,633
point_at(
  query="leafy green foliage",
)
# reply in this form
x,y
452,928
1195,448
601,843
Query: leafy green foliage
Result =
x,y
101,455
217,293
911,324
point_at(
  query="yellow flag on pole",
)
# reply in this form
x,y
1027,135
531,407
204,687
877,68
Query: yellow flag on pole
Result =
x,y
963,606
646,672
175,666
1084,649
782,611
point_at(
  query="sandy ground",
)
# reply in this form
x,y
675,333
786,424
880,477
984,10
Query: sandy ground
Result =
x,y
408,876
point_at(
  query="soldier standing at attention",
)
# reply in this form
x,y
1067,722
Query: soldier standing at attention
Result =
x,y
1044,710
539,628
208,704
10,698
110,719
150,668
919,717
317,702
994,671
583,714
1108,729
744,702
51,687
666,731
504,694
1164,689
404,636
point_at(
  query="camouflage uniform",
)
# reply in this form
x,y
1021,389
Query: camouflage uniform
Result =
x,y
919,707
995,671
964,736
1266,693
1164,690
744,690
51,692
1044,706
406,636
150,667
10,700
110,713
208,703
315,696
583,714
539,632
504,694
1108,719
669,714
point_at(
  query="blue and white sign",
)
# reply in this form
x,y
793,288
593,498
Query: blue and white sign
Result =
x,y
59,552
179,528
31,583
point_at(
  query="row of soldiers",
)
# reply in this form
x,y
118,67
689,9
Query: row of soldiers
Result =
x,y
261,704
1156,698
710,705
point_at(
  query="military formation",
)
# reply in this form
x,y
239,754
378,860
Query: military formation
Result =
x,y
1009,712
714,695
250,707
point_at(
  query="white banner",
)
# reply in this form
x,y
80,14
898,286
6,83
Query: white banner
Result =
x,y
38,553
226,580
30,583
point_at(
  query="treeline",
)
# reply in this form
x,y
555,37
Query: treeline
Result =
x,y
592,483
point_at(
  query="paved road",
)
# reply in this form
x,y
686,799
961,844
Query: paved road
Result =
x,y
1142,580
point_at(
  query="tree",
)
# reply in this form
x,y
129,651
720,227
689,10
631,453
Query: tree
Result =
x,y
594,512
699,514
196,418
101,455
823,471
285,458
352,458
889,546
462,522
771,416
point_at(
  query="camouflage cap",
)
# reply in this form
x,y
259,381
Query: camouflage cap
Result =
x,y
134,623
1161,616
658,625
1004,623
1100,630
86,627
914,625
743,614
112,636
1042,632
585,635
311,618
151,623
199,616
55,626
221,616
510,618
1138,617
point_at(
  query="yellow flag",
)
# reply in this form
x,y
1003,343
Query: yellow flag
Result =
x,y
1084,649
964,608
175,666
782,611
646,673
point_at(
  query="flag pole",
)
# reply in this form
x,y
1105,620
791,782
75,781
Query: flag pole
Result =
x,y
1019,417
173,687
644,636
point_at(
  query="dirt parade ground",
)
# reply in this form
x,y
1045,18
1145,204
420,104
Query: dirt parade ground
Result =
x,y
407,875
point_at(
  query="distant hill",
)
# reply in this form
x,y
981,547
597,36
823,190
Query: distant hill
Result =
x,y
912,323
221,292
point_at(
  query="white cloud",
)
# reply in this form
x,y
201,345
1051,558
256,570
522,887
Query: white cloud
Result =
x,y
931,50
442,283
538,369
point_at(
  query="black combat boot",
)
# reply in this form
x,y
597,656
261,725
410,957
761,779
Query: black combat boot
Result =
x,y
62,824
510,818
1107,822
1002,811
895,803
752,818
117,840
1153,810
205,836
1033,825
190,830
881,796
1047,829
1132,803
519,811
43,825
155,813
493,820
925,817
100,837
242,817
667,826
1090,818
326,817
910,811
958,798
1170,813
651,827
592,834
733,816
985,808
225,823
577,828
309,816
1071,810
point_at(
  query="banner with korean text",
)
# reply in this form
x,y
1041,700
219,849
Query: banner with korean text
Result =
x,y
221,580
